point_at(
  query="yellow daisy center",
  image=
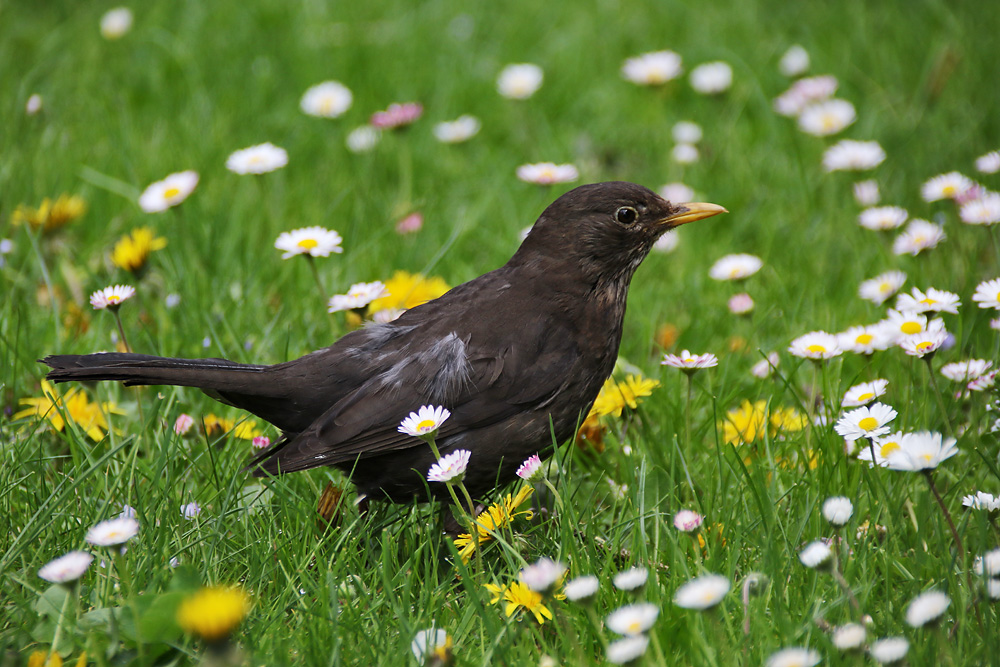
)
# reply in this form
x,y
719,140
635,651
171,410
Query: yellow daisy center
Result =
x,y
688,360
927,457
326,105
171,192
867,396
929,301
885,287
425,425
949,190
816,348
307,244
868,423
888,448
634,628
923,346
864,339
114,299
910,328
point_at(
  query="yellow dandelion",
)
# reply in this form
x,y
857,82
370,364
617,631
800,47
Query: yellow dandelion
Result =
x,y
74,406
213,612
518,596
132,251
494,518
244,430
407,290
51,214
746,424
616,396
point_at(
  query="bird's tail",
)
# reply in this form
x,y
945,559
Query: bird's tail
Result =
x,y
219,375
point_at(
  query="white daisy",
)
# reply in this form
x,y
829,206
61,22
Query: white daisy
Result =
x,y
627,650
794,62
827,117
676,192
984,382
712,78
864,339
111,297
33,105
864,393
880,218
850,155
582,588
765,367
519,82
804,92
690,362
427,645
889,650
115,23
633,619
984,210
866,193
988,294
923,343
945,186
547,173
923,450
531,469
362,139
918,236
386,315
171,191
652,69
631,579
425,422
865,422
542,575
688,521
329,99
993,588
838,510
456,131
312,241
686,132
880,288
933,300
702,592
794,657
735,267
906,323
926,608
988,564
450,467
849,636
982,501
113,532
816,554
816,345
259,159
358,296
988,163
740,304
883,448
685,153
67,568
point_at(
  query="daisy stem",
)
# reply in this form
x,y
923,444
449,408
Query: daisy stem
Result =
x,y
121,330
746,607
842,582
947,514
938,396
70,594
551,487
687,413
319,282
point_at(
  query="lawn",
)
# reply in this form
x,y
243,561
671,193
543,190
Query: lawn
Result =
x,y
96,119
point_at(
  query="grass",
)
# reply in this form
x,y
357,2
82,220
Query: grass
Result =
x,y
193,82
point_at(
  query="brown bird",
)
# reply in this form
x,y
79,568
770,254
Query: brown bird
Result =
x,y
517,355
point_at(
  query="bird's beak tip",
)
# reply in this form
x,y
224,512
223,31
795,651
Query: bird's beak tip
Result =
x,y
694,211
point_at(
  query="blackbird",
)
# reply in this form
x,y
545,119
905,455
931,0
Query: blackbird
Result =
x,y
517,355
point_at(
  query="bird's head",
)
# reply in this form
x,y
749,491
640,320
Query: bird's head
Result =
x,y
606,229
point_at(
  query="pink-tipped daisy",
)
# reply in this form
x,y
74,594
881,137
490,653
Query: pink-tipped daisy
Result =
x,y
425,422
450,467
688,362
531,469
111,297
688,521
397,115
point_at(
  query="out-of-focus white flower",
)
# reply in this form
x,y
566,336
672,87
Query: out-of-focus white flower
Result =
x,y
816,345
685,153
652,69
712,78
921,451
358,296
456,131
735,267
982,501
542,575
850,155
984,210
988,163
828,117
864,393
880,288
794,62
686,132
329,99
866,192
849,637
67,568
879,218
765,367
946,186
794,657
362,139
804,92
581,588
520,81
816,554
918,236
259,159
311,241
676,192
116,23
631,579
33,105
889,650
547,173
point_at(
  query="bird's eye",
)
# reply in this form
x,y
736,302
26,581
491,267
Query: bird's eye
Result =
x,y
626,215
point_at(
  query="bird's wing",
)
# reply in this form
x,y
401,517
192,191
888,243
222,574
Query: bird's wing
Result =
x,y
480,385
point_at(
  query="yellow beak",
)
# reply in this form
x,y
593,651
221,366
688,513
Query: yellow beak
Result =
x,y
691,212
